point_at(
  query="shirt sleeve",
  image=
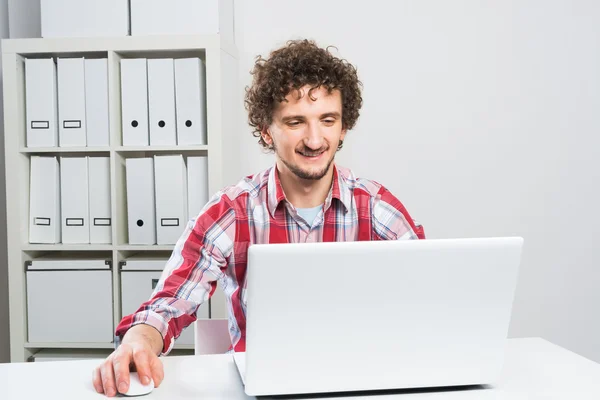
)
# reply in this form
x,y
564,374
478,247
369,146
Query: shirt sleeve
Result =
x,y
391,220
190,275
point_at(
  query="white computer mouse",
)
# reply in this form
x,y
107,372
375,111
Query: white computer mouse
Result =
x,y
136,387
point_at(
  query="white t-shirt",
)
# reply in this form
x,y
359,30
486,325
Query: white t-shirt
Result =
x,y
309,214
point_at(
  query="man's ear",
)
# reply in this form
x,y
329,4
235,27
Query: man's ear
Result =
x,y
343,135
266,136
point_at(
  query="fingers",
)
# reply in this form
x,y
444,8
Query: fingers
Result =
x,y
156,366
108,379
113,376
97,380
120,365
141,359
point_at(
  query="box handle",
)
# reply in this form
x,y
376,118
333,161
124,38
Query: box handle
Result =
x,y
40,221
40,124
72,124
169,222
74,222
101,221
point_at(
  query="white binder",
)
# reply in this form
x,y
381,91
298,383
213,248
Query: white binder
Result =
x,y
71,102
74,200
134,102
141,218
190,89
171,197
161,102
197,169
99,195
44,200
96,102
41,102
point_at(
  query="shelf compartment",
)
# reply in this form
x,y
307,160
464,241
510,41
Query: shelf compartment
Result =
x,y
157,149
58,150
67,247
141,247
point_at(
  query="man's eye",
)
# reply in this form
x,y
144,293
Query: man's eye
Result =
x,y
294,123
329,121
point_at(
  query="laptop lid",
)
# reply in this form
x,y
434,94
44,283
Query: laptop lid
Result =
x,y
353,316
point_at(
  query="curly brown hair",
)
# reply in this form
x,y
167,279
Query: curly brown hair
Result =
x,y
300,63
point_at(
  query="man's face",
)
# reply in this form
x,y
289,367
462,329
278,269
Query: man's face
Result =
x,y
305,133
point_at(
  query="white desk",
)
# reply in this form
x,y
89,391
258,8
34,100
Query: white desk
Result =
x,y
534,369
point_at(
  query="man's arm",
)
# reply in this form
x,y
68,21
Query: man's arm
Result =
x,y
391,220
188,280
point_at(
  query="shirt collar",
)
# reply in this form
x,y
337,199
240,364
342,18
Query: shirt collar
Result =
x,y
339,190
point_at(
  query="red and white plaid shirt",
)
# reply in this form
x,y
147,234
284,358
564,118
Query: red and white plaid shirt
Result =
x,y
213,248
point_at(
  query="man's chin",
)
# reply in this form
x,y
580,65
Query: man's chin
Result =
x,y
313,174
310,175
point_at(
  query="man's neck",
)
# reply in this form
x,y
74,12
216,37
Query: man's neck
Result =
x,y
305,193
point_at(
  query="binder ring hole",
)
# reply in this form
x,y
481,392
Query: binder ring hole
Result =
x,y
161,124
140,222
188,123
134,123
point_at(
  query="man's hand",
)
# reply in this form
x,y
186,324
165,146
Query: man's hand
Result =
x,y
138,351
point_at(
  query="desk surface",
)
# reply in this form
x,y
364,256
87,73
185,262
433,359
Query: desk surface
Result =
x,y
534,369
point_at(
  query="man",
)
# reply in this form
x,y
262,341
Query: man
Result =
x,y
301,104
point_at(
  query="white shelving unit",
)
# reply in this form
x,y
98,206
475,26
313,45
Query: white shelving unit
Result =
x,y
220,60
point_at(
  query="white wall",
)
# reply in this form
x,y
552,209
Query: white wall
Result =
x,y
25,19
4,318
482,117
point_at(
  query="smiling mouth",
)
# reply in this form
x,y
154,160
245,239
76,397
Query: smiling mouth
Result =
x,y
311,154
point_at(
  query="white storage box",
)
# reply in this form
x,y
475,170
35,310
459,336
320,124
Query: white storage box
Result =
x,y
47,355
182,17
148,263
137,287
84,18
69,302
71,264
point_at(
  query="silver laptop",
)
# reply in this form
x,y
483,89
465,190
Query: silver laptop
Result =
x,y
368,316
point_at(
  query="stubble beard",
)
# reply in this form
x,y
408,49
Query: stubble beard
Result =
x,y
302,174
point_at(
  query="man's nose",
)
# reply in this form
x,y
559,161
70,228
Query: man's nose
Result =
x,y
314,137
